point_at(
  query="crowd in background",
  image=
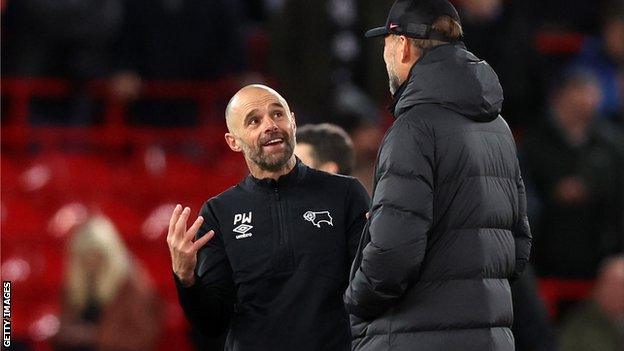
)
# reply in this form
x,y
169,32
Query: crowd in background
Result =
x,y
560,62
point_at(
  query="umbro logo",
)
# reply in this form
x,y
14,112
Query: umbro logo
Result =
x,y
319,217
245,225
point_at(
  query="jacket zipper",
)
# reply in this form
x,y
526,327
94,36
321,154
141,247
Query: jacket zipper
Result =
x,y
279,217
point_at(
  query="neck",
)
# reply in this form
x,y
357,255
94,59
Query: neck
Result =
x,y
260,173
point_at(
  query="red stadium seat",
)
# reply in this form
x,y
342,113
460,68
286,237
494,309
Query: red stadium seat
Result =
x,y
554,291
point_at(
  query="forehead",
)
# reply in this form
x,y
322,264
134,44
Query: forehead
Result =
x,y
257,98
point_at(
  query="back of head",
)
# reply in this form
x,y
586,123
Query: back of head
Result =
x,y
446,27
330,143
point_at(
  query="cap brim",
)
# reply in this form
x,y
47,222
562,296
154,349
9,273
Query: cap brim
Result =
x,y
376,32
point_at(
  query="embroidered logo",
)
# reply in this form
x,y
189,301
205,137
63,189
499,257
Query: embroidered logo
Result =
x,y
245,225
319,217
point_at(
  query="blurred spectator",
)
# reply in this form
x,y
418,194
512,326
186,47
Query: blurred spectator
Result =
x,y
176,39
326,147
108,302
366,138
575,164
599,323
62,38
580,15
319,58
604,57
502,33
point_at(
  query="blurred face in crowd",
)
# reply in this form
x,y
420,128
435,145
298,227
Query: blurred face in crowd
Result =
x,y
610,288
579,100
262,127
614,39
93,261
307,155
305,152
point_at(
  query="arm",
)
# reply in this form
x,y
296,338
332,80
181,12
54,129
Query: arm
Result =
x,y
521,232
357,206
207,293
401,216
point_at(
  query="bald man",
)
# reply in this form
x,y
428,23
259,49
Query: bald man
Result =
x,y
269,258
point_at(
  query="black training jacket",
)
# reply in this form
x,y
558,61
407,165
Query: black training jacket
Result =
x,y
276,269
448,224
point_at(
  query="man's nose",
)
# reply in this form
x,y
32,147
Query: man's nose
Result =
x,y
270,125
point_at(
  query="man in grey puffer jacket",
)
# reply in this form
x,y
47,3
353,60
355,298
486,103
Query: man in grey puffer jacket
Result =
x,y
448,226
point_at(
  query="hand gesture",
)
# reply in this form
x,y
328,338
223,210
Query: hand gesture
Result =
x,y
183,247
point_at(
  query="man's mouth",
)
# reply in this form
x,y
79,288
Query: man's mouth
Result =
x,y
274,141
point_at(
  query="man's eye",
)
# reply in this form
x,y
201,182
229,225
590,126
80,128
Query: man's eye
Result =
x,y
253,121
278,114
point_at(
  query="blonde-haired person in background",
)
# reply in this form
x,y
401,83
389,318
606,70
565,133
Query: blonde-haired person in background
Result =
x,y
109,302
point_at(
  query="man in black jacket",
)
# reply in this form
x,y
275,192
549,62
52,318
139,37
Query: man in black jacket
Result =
x,y
272,254
448,224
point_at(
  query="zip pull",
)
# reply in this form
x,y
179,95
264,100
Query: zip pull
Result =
x,y
276,190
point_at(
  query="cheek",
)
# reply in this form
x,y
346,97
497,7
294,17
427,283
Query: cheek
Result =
x,y
386,55
389,60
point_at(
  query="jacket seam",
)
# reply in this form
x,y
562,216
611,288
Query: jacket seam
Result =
x,y
477,176
435,330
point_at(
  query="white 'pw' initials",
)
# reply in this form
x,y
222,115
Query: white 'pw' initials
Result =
x,y
245,225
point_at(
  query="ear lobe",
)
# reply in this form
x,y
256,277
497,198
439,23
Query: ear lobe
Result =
x,y
232,143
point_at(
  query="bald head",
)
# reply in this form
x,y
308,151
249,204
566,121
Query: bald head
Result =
x,y
242,101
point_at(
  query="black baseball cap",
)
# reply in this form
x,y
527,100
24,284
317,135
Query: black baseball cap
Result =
x,y
413,18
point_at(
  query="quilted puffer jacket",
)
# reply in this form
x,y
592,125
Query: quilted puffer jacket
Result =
x,y
448,226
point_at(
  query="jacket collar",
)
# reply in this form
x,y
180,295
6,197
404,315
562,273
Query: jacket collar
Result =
x,y
286,181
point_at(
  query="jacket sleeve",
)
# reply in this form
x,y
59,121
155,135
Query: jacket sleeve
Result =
x,y
209,303
521,232
357,206
401,216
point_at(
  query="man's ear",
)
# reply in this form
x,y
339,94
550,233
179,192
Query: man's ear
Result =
x,y
406,49
230,139
294,121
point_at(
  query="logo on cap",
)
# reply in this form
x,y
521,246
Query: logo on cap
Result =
x,y
393,25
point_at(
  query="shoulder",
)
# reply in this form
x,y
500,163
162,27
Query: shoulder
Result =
x,y
315,176
233,193
419,123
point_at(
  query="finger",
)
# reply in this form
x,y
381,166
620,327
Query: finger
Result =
x,y
174,217
199,243
180,227
190,234
367,215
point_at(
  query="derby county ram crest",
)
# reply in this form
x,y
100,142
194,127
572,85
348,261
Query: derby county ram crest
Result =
x,y
319,217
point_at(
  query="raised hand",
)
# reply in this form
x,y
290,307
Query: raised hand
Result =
x,y
182,246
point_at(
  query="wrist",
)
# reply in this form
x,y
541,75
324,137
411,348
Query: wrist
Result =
x,y
186,280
